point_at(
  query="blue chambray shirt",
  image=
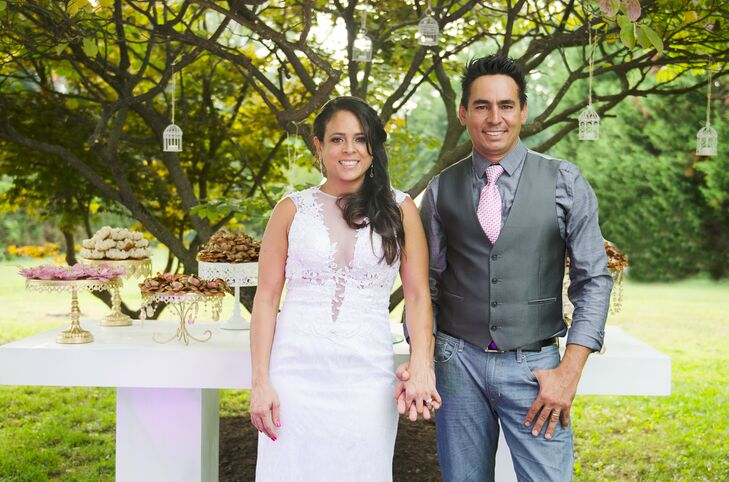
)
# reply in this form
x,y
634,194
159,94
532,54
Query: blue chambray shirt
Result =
x,y
577,216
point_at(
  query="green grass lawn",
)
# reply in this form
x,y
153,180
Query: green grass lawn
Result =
x,y
68,433
681,437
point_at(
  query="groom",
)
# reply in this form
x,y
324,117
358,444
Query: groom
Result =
x,y
499,224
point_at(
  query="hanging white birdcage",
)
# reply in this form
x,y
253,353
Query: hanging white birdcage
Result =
x,y
172,135
172,138
428,29
706,141
589,124
362,47
589,120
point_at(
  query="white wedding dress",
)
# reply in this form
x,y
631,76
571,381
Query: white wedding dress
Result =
x,y
332,359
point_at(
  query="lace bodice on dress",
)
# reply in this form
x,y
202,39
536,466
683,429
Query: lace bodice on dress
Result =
x,y
332,268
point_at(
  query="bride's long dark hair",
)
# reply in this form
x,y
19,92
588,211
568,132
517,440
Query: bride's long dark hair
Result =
x,y
375,200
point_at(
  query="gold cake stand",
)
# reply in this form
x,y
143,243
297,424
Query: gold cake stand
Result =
x,y
74,333
133,268
185,306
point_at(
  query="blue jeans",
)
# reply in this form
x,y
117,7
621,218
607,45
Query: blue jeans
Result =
x,y
479,389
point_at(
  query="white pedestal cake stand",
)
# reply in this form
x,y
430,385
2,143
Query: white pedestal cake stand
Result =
x,y
237,275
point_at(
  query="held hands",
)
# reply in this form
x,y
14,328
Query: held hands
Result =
x,y
264,410
415,391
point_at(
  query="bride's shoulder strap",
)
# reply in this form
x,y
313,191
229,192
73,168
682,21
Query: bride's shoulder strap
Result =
x,y
302,199
399,196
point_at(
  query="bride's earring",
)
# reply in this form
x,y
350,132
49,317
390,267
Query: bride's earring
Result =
x,y
372,169
321,166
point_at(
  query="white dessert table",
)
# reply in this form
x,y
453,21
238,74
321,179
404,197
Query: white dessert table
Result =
x,y
167,409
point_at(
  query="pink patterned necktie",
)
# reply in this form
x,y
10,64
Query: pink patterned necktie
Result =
x,y
489,205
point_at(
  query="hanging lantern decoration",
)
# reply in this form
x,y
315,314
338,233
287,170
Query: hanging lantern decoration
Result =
x,y
589,120
707,139
173,138
428,29
362,48
172,135
291,158
589,124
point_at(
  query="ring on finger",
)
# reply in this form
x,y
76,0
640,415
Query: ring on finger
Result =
x,y
555,415
429,402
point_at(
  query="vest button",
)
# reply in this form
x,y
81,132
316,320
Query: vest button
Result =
x,y
494,304
494,327
494,280
494,256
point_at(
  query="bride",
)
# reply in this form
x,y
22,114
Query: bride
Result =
x,y
323,376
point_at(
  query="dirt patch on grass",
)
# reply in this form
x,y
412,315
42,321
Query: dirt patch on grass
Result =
x,y
416,459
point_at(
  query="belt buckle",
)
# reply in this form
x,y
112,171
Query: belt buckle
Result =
x,y
491,350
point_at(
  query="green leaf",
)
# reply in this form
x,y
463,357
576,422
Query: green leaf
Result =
x,y
666,74
3,4
60,48
654,38
623,21
690,16
607,23
74,6
90,48
627,35
106,3
643,39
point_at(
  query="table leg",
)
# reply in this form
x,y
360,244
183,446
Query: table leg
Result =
x,y
167,434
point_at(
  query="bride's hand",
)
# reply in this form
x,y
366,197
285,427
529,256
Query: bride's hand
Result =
x,y
420,392
264,410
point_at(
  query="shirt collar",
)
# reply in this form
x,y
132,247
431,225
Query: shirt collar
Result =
x,y
510,162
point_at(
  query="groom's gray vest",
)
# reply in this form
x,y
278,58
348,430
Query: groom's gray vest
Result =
x,y
510,292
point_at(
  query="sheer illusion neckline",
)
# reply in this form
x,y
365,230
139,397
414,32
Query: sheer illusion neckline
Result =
x,y
344,262
318,188
333,196
343,241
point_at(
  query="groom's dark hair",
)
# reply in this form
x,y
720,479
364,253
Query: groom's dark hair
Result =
x,y
495,64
